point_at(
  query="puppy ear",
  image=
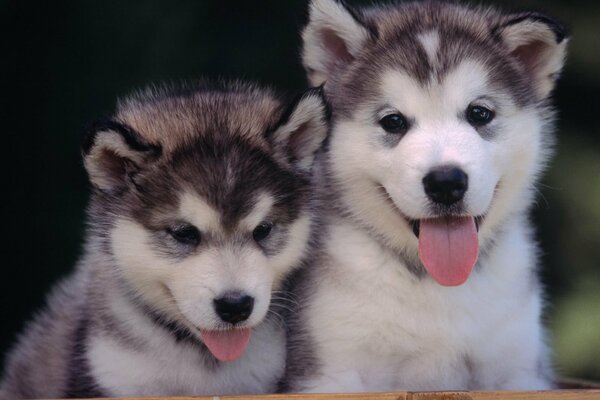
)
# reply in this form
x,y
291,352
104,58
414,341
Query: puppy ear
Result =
x,y
539,44
113,154
333,37
302,130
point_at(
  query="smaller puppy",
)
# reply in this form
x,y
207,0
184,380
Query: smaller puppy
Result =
x,y
200,209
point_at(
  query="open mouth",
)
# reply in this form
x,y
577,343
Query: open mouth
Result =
x,y
448,244
415,224
448,247
226,345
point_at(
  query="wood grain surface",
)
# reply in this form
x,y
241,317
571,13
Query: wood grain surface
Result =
x,y
589,394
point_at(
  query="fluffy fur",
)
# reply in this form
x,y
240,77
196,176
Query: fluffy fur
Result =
x,y
371,318
221,159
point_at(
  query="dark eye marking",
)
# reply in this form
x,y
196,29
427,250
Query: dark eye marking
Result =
x,y
479,115
394,123
261,231
185,234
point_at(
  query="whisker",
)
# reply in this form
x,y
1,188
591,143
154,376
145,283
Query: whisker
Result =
x,y
285,300
543,197
278,319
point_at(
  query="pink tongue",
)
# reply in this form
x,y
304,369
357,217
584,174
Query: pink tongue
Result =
x,y
448,248
227,345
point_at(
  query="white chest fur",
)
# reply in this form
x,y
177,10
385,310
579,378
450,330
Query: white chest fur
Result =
x,y
378,327
163,367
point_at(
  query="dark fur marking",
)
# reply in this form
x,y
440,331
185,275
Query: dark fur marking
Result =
x,y
473,383
132,138
275,242
400,49
166,246
391,140
80,383
487,132
302,361
291,107
205,168
355,14
561,32
287,114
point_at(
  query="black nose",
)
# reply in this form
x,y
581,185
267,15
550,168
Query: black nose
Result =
x,y
446,185
234,308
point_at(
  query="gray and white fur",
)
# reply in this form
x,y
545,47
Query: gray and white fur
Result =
x,y
415,89
200,195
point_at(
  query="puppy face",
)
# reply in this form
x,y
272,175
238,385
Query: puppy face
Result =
x,y
393,144
439,120
206,223
209,225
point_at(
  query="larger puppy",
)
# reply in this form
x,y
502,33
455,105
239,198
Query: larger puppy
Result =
x,y
200,209
441,126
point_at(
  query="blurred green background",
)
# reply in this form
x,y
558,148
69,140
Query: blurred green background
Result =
x,y
66,62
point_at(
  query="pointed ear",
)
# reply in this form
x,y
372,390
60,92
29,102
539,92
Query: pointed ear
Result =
x,y
333,37
539,44
113,154
302,130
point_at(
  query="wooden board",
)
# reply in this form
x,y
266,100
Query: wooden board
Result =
x,y
591,394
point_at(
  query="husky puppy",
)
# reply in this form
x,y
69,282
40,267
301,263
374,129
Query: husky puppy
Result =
x,y
200,209
441,125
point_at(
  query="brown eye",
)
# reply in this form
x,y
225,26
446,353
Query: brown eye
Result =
x,y
185,234
262,231
394,123
479,116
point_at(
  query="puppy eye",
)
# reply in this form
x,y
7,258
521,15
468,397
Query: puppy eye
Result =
x,y
479,115
262,231
394,123
185,234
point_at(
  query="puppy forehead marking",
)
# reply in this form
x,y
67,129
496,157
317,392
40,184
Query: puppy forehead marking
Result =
x,y
430,41
404,92
263,203
460,86
197,211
